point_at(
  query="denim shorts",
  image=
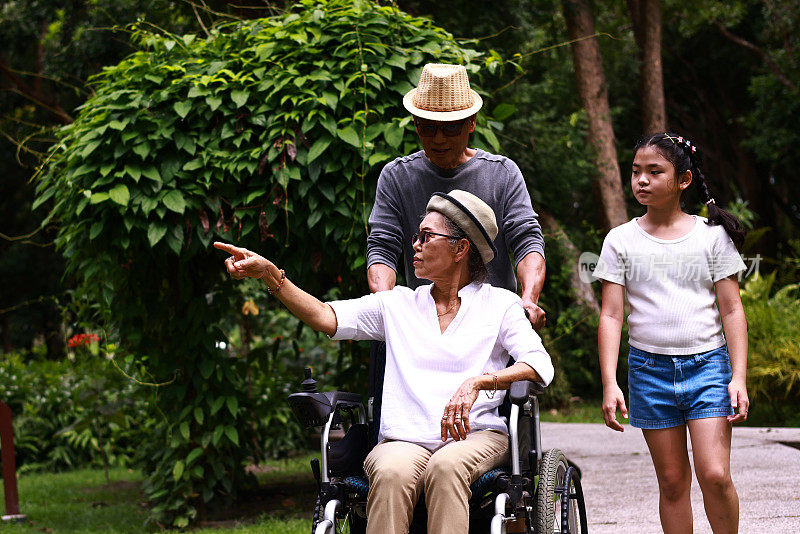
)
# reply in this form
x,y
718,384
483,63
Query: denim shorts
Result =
x,y
666,391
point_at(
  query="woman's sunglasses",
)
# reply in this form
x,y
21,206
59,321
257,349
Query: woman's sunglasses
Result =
x,y
424,236
449,129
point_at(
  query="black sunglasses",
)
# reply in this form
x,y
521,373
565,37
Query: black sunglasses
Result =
x,y
449,129
424,235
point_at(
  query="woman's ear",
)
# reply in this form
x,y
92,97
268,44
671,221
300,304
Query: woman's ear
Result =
x,y
462,250
685,180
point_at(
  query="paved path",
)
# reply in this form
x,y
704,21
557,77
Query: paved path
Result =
x,y
622,494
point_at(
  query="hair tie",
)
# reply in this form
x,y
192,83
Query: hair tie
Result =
x,y
710,201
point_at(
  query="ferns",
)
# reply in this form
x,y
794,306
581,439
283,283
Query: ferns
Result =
x,y
774,359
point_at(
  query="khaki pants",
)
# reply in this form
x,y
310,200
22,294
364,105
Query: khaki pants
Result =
x,y
399,471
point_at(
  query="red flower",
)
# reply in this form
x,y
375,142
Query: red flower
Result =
x,y
82,339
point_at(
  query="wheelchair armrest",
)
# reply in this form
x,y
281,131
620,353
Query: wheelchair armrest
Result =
x,y
344,399
521,390
313,409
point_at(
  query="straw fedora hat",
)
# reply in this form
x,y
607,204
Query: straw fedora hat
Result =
x,y
472,215
443,94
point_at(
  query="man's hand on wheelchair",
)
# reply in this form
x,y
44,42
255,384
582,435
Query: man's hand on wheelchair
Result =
x,y
613,398
455,421
534,313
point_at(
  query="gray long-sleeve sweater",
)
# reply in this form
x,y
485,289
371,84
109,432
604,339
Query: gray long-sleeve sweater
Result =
x,y
405,186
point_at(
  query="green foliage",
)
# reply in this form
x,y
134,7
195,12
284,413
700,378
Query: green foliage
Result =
x,y
773,376
71,413
267,133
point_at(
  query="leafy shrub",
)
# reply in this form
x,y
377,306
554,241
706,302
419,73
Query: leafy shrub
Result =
x,y
69,414
773,376
268,133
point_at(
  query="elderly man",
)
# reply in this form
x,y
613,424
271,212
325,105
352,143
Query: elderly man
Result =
x,y
444,109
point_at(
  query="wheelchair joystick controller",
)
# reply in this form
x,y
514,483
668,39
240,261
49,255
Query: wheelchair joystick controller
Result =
x,y
309,384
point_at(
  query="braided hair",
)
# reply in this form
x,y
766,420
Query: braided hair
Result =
x,y
684,156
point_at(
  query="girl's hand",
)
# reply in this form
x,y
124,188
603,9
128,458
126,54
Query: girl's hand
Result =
x,y
243,263
739,400
456,413
613,398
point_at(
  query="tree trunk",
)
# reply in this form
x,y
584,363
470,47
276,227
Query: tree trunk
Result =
x,y
581,291
4,328
593,91
646,18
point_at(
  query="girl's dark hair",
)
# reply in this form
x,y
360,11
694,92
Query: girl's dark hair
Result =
x,y
684,156
477,269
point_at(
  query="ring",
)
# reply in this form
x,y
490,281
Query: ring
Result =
x,y
444,418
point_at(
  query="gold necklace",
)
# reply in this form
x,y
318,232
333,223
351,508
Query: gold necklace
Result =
x,y
448,309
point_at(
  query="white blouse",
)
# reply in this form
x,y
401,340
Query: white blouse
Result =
x,y
425,367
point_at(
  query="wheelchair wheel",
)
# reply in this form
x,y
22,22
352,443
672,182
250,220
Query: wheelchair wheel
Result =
x,y
351,523
551,510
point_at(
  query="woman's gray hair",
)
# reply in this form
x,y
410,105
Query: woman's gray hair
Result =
x,y
477,269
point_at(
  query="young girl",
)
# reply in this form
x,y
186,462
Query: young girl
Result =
x,y
679,274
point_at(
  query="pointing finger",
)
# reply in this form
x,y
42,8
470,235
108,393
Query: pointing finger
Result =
x,y
229,248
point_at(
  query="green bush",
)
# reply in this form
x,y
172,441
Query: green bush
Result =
x,y
276,347
70,413
773,376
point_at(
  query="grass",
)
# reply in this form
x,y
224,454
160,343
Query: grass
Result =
x,y
588,411
80,502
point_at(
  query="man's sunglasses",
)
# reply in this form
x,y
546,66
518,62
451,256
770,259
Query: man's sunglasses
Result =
x,y
449,129
424,237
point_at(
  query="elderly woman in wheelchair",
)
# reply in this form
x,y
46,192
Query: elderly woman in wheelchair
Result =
x,y
447,349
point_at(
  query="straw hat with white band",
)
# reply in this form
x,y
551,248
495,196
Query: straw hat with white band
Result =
x,y
443,94
472,215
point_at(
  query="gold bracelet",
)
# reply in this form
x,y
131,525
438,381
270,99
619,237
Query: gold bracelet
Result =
x,y
280,284
491,395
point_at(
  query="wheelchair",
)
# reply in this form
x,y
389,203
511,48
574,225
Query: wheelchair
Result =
x,y
539,492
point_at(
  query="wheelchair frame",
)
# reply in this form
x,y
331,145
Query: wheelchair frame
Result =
x,y
541,490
